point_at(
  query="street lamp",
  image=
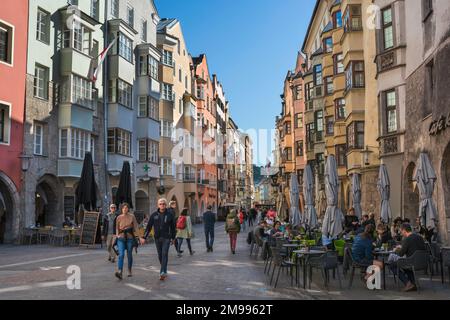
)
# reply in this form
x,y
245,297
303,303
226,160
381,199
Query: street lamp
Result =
x,y
25,162
366,155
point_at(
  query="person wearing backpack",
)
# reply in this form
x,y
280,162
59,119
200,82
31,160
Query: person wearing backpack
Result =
x,y
232,227
184,231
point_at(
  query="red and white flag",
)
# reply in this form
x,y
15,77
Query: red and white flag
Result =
x,y
93,72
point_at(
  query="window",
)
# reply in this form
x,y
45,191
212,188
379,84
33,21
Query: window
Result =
x,y
355,135
341,113
143,108
82,92
74,143
329,87
388,31
78,37
130,16
73,2
298,123
167,92
298,92
166,167
180,106
115,8
168,58
328,45
94,9
148,150
318,75
391,111
125,47
153,108
337,19
41,82
318,116
341,155
338,63
310,134
153,63
427,9
287,128
5,123
143,66
309,91
354,75
6,36
43,26
121,92
288,154
119,141
38,138
166,129
200,92
329,126
352,18
299,150
180,75
144,30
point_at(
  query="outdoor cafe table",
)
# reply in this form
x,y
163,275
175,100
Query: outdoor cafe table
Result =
x,y
305,254
383,255
290,247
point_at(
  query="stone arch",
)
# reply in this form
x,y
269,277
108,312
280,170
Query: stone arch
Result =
x,y
411,195
47,204
142,207
9,210
445,174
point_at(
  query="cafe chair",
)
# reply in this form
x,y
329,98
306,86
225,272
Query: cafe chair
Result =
x,y
44,235
280,263
349,263
445,263
60,237
435,256
29,234
419,261
325,262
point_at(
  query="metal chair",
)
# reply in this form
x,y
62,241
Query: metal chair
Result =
x,y
445,263
350,263
435,256
60,236
30,234
419,261
45,234
325,262
280,263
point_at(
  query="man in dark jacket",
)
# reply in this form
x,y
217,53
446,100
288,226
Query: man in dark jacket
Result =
x,y
109,230
209,220
163,223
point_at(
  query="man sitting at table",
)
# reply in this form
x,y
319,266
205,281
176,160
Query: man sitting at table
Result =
x,y
351,221
410,244
362,249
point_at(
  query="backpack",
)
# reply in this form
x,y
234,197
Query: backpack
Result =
x,y
181,223
241,217
230,223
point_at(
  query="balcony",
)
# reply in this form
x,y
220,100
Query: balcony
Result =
x,y
389,145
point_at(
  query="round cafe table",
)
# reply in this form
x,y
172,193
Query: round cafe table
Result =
x,y
305,254
384,255
290,247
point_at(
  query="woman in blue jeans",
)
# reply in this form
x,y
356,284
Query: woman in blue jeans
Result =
x,y
126,229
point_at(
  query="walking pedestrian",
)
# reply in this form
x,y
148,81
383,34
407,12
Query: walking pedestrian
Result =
x,y
242,219
109,231
173,208
232,227
209,220
126,229
162,221
184,231
251,217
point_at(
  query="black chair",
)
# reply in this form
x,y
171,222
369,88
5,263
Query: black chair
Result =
x,y
325,262
445,263
349,263
280,263
419,261
435,256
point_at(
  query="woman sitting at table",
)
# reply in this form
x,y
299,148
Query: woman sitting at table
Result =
x,y
276,232
383,236
362,248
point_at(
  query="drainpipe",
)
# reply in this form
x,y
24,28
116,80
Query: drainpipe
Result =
x,y
105,106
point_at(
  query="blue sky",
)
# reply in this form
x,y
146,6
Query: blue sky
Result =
x,y
250,44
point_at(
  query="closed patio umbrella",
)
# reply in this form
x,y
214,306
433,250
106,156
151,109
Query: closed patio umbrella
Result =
x,y
425,176
356,192
295,215
384,187
124,190
310,215
334,219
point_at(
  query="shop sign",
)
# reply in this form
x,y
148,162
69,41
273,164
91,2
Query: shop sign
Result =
x,y
439,125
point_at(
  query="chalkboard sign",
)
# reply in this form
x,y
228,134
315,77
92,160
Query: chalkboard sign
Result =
x,y
89,229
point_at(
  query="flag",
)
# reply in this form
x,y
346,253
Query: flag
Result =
x,y
93,72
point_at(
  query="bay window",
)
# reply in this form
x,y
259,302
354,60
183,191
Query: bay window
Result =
x,y
328,45
354,75
121,92
337,19
391,111
167,58
125,47
166,129
74,143
388,29
340,111
338,63
167,92
355,135
79,37
148,150
119,141
166,167
153,66
318,117
353,18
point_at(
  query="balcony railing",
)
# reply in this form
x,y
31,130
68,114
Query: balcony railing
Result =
x,y
386,61
390,145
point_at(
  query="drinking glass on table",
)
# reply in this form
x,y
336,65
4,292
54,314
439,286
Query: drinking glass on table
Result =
x,y
385,246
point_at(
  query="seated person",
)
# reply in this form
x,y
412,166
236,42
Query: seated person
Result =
x,y
276,231
363,224
68,223
372,219
383,236
351,221
259,232
410,244
362,248
395,229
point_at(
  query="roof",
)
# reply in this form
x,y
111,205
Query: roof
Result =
x,y
310,24
328,27
164,23
317,53
198,60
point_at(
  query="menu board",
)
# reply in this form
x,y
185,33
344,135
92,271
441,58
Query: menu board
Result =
x,y
89,229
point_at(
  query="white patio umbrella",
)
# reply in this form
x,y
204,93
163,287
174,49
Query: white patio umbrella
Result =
x,y
310,214
356,192
295,215
425,176
384,187
334,219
